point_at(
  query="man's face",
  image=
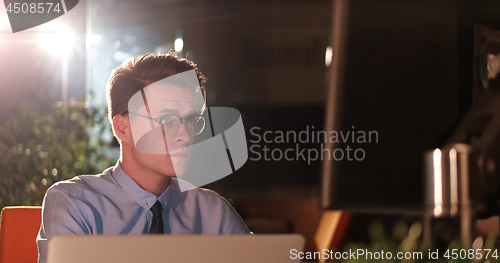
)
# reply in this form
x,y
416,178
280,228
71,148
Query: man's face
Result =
x,y
157,147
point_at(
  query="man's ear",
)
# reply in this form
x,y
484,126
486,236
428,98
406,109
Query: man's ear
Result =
x,y
121,128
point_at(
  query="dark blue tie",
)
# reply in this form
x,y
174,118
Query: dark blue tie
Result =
x,y
157,224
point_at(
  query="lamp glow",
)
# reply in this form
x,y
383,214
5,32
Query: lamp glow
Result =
x,y
60,41
328,56
178,45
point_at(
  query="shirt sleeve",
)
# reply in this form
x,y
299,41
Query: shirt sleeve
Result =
x,y
61,215
231,220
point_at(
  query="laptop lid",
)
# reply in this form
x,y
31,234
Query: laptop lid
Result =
x,y
175,248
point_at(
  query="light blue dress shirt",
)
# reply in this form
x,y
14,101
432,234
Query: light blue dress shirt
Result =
x,y
113,203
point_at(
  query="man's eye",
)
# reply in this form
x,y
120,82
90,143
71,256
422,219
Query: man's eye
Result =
x,y
193,119
167,120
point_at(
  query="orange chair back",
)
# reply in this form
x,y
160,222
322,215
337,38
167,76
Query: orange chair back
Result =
x,y
18,230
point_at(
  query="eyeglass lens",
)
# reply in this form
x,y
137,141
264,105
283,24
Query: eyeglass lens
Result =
x,y
195,124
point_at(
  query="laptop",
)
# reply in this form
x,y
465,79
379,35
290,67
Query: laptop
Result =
x,y
176,248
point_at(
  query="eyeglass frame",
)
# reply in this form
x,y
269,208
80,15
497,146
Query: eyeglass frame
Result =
x,y
159,120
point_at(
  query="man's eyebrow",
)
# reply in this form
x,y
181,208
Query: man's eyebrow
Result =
x,y
176,111
167,111
193,111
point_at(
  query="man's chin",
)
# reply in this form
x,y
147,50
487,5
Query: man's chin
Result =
x,y
179,172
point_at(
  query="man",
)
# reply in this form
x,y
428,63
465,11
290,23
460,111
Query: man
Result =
x,y
155,108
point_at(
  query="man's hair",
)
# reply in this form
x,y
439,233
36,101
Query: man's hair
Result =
x,y
142,70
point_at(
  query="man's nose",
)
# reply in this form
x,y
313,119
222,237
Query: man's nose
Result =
x,y
183,133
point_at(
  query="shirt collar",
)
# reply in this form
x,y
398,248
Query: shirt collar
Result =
x,y
143,197
169,195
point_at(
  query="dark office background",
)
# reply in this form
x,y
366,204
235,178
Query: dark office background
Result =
x,y
269,59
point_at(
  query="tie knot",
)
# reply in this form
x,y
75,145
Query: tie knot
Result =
x,y
156,209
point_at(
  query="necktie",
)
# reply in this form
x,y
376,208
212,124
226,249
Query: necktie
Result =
x,y
157,224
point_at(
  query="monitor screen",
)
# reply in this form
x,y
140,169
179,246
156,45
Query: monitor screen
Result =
x,y
400,80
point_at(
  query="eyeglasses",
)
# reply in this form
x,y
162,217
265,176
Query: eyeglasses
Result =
x,y
171,122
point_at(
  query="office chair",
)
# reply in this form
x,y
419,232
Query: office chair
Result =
x,y
18,230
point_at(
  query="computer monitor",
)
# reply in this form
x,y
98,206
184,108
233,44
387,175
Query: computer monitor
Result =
x,y
401,78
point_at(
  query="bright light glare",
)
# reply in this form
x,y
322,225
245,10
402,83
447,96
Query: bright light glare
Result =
x,y
4,20
328,56
94,39
178,45
438,184
60,41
